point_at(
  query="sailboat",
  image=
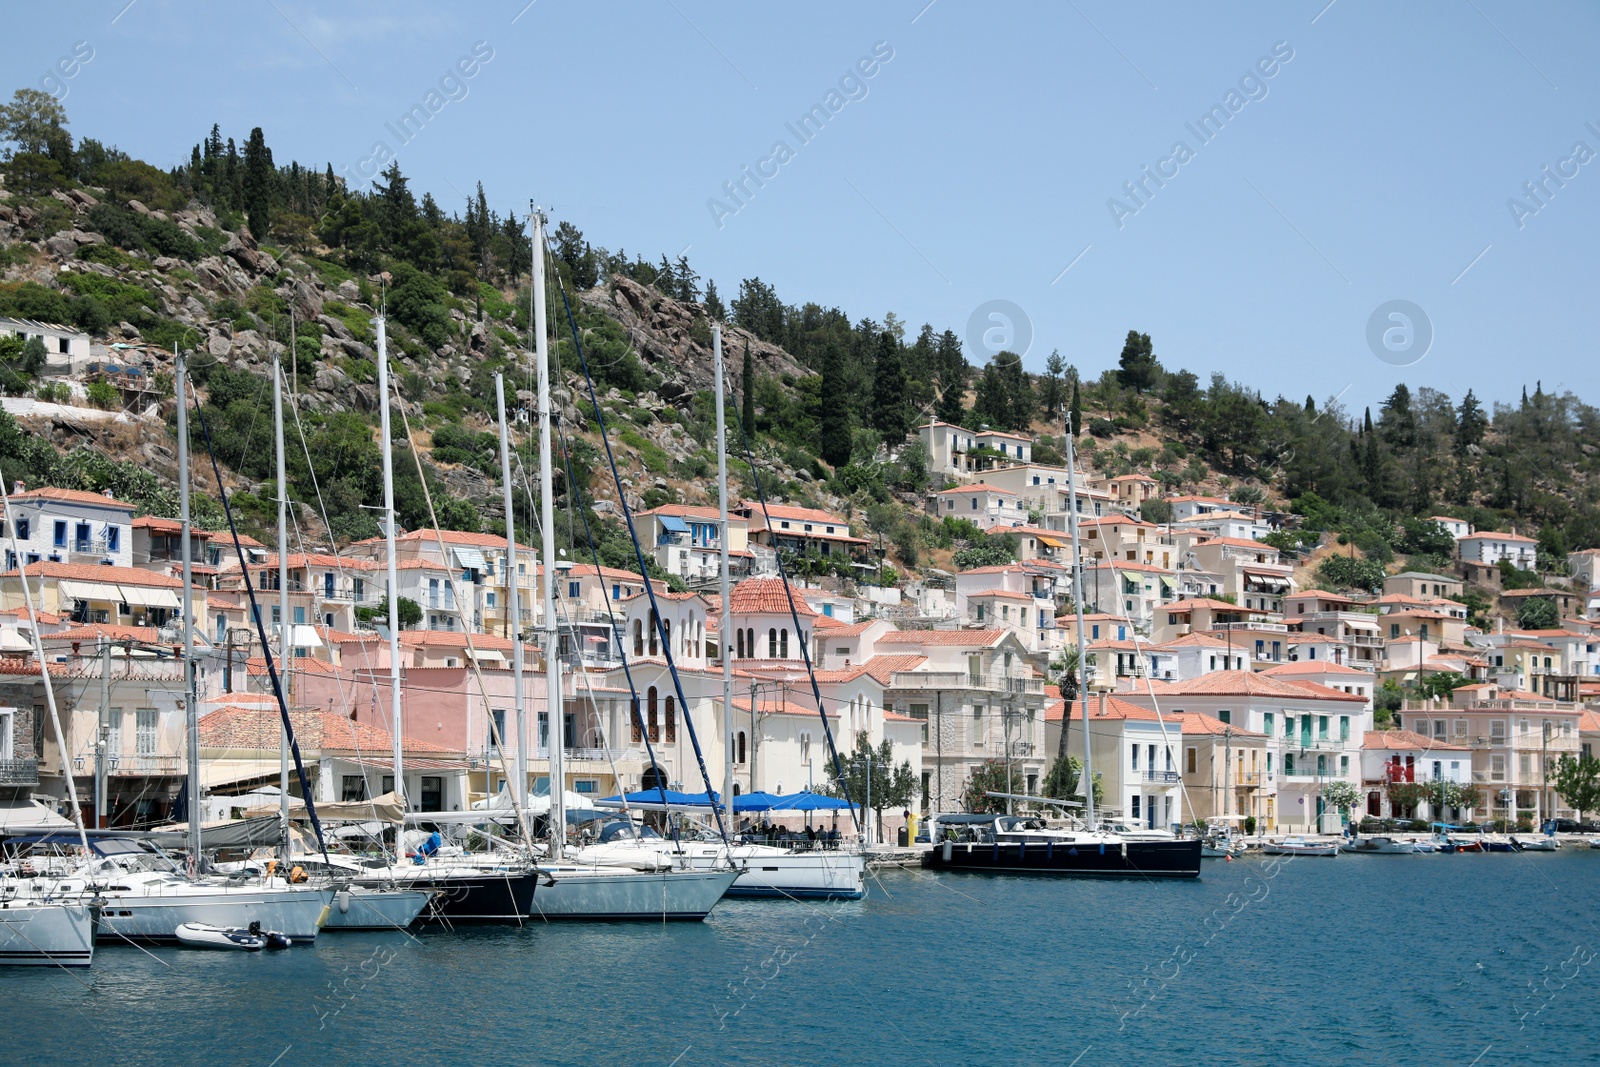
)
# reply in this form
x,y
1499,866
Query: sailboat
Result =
x,y
1022,844
765,870
354,907
35,932
142,893
590,888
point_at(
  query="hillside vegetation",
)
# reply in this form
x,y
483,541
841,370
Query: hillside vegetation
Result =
x,y
240,259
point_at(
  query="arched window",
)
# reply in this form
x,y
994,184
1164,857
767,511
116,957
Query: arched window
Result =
x,y
638,639
633,718
688,636
750,642
672,721
772,643
654,649
666,635
739,635
651,718
783,643
740,754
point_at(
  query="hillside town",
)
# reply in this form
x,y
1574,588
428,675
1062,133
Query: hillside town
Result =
x,y
1221,681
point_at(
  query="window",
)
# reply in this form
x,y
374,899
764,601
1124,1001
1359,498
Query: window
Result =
x,y
573,589
497,724
1267,723
80,537
61,533
1190,760
783,643
1344,766
1134,809
739,652
1225,715
432,797
772,643
1288,763
652,717
1497,731
672,720
353,787
1135,757
490,600
1322,727
23,529
114,543
1344,728
739,749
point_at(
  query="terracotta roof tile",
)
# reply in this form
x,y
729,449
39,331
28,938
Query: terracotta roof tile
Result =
x,y
258,728
766,596
957,638
1250,683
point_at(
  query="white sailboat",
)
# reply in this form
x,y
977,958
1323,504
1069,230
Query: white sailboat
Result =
x,y
40,933
764,870
588,887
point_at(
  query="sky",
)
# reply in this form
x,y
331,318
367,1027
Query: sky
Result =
x,y
1355,214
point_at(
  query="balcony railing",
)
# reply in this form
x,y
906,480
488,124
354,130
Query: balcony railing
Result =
x,y
19,772
136,766
1247,778
1168,777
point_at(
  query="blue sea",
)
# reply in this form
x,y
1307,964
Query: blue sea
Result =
x,y
1394,960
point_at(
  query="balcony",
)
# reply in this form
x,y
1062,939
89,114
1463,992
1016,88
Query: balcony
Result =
x,y
19,772
144,766
1164,777
1248,779
1310,771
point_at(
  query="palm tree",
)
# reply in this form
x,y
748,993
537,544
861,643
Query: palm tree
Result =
x,y
1069,680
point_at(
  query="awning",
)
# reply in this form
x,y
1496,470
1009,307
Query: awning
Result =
x,y
146,597
470,558
1166,582
30,815
302,636
217,772
387,808
486,655
104,591
1054,542
673,524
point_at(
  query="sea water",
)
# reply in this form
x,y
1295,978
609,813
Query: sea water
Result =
x,y
1398,960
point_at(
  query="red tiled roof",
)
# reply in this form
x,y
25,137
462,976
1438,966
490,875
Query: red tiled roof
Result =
x,y
792,513
453,639
1481,536
172,526
881,667
975,487
956,638
1250,683
1313,666
1196,724
787,707
1113,708
258,728
72,496
42,616
1239,542
766,596
147,634
1003,594
94,572
1405,741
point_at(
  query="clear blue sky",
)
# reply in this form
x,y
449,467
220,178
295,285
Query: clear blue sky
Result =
x,y
976,164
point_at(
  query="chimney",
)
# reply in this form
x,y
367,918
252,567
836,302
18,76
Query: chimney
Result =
x,y
18,486
1102,703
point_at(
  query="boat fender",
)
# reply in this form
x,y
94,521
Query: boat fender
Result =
x,y
948,850
343,898
297,875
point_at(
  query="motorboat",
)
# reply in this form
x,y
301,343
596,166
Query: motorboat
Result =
x,y
1222,839
249,939
457,888
1300,845
1536,843
144,895
364,907
1027,844
1424,846
1498,843
37,933
762,870
1381,846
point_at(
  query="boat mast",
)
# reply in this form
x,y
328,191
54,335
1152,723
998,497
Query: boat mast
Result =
x,y
1085,779
519,788
186,608
727,594
552,661
284,642
393,571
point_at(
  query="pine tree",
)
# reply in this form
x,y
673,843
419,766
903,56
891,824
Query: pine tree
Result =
x,y
1140,368
748,380
1470,424
713,303
1052,389
889,415
258,175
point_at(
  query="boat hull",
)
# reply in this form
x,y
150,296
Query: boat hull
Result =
x,y
620,895
366,908
469,896
800,875
297,913
46,935
1144,859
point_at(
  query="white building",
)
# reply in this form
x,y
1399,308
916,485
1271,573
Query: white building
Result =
x,y
981,503
71,526
1491,548
64,347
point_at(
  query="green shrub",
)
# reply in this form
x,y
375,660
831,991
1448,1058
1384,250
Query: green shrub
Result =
x,y
103,395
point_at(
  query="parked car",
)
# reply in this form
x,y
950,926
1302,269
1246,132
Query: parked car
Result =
x,y
1573,826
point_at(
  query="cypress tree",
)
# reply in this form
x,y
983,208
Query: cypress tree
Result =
x,y
1076,410
748,380
257,184
834,442
889,391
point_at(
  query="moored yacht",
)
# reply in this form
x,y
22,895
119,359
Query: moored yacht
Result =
x,y
46,933
1025,844
763,870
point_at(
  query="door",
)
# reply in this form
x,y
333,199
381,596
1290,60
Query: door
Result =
x,y
1305,731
